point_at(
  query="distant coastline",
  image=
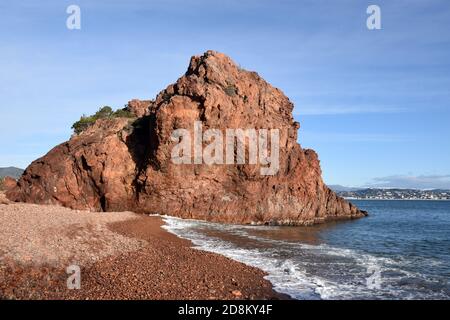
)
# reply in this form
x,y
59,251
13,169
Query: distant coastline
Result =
x,y
392,194
373,199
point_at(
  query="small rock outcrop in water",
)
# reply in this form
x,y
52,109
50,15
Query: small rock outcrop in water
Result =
x,y
122,164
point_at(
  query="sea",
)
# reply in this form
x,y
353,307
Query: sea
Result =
x,y
400,251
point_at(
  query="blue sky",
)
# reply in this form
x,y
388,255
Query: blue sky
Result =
x,y
375,104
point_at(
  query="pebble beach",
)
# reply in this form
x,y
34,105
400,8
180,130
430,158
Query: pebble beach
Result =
x,y
121,255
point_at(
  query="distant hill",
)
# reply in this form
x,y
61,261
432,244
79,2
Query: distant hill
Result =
x,y
339,188
12,172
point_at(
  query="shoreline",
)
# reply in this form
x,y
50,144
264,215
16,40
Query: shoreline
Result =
x,y
148,262
396,199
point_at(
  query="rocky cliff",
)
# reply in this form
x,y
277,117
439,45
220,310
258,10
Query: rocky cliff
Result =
x,y
127,164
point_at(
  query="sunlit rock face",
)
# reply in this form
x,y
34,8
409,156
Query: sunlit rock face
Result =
x,y
123,164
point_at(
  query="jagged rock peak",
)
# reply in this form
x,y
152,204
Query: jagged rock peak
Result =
x,y
123,164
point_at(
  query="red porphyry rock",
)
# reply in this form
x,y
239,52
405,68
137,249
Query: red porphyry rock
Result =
x,y
118,164
139,108
9,183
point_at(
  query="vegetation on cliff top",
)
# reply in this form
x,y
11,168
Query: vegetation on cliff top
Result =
x,y
105,112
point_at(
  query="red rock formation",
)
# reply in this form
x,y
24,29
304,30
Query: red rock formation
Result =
x,y
118,164
9,183
139,107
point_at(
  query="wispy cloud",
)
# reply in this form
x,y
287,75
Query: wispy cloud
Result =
x,y
409,181
337,110
351,137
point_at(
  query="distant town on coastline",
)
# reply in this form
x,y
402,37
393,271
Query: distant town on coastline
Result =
x,y
390,193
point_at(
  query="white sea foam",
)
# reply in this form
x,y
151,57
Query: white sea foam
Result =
x,y
313,272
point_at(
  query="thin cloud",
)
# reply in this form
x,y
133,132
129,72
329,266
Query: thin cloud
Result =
x,y
413,182
337,110
350,137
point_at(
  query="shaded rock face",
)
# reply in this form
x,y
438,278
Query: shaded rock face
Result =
x,y
122,164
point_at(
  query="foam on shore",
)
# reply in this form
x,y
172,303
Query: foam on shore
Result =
x,y
301,270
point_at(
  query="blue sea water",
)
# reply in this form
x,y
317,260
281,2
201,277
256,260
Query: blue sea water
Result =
x,y
400,251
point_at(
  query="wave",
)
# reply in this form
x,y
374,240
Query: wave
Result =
x,y
304,271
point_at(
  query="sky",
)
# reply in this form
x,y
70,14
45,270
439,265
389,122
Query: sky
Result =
x,y
374,104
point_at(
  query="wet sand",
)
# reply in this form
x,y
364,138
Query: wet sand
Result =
x,y
121,256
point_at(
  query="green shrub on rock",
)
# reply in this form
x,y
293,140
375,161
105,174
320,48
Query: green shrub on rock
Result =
x,y
105,112
123,113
